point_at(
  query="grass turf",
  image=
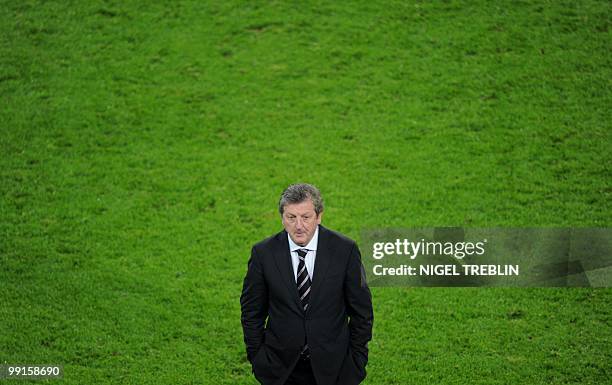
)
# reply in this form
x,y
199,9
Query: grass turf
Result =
x,y
144,147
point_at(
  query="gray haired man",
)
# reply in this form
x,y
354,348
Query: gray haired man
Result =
x,y
306,308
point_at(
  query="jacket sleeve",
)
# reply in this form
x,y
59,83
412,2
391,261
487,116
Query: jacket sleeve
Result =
x,y
254,306
359,306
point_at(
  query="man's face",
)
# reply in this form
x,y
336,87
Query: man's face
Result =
x,y
300,221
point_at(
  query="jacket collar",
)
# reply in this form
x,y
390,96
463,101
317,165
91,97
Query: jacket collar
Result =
x,y
282,258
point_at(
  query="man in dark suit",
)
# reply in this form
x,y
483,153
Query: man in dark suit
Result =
x,y
306,308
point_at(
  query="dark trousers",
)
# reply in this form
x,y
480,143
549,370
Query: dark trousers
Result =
x,y
302,374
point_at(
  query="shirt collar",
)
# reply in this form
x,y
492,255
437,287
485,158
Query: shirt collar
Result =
x,y
312,245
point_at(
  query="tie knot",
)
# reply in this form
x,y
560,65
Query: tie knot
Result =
x,y
302,252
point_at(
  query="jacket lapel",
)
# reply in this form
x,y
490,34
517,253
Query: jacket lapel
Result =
x,y
282,258
321,266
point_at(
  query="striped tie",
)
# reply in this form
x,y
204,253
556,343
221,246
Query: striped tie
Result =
x,y
303,280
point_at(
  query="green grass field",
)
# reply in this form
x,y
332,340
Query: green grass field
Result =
x,y
144,148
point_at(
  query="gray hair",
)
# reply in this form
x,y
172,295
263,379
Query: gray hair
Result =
x,y
298,193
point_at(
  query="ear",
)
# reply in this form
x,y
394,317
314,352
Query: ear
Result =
x,y
319,217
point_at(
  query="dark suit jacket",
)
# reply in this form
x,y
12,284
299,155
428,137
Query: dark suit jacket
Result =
x,y
337,324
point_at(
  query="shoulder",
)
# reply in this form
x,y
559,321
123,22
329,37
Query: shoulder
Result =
x,y
337,243
334,237
271,243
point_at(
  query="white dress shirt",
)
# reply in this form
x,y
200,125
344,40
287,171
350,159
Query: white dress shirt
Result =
x,y
310,256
